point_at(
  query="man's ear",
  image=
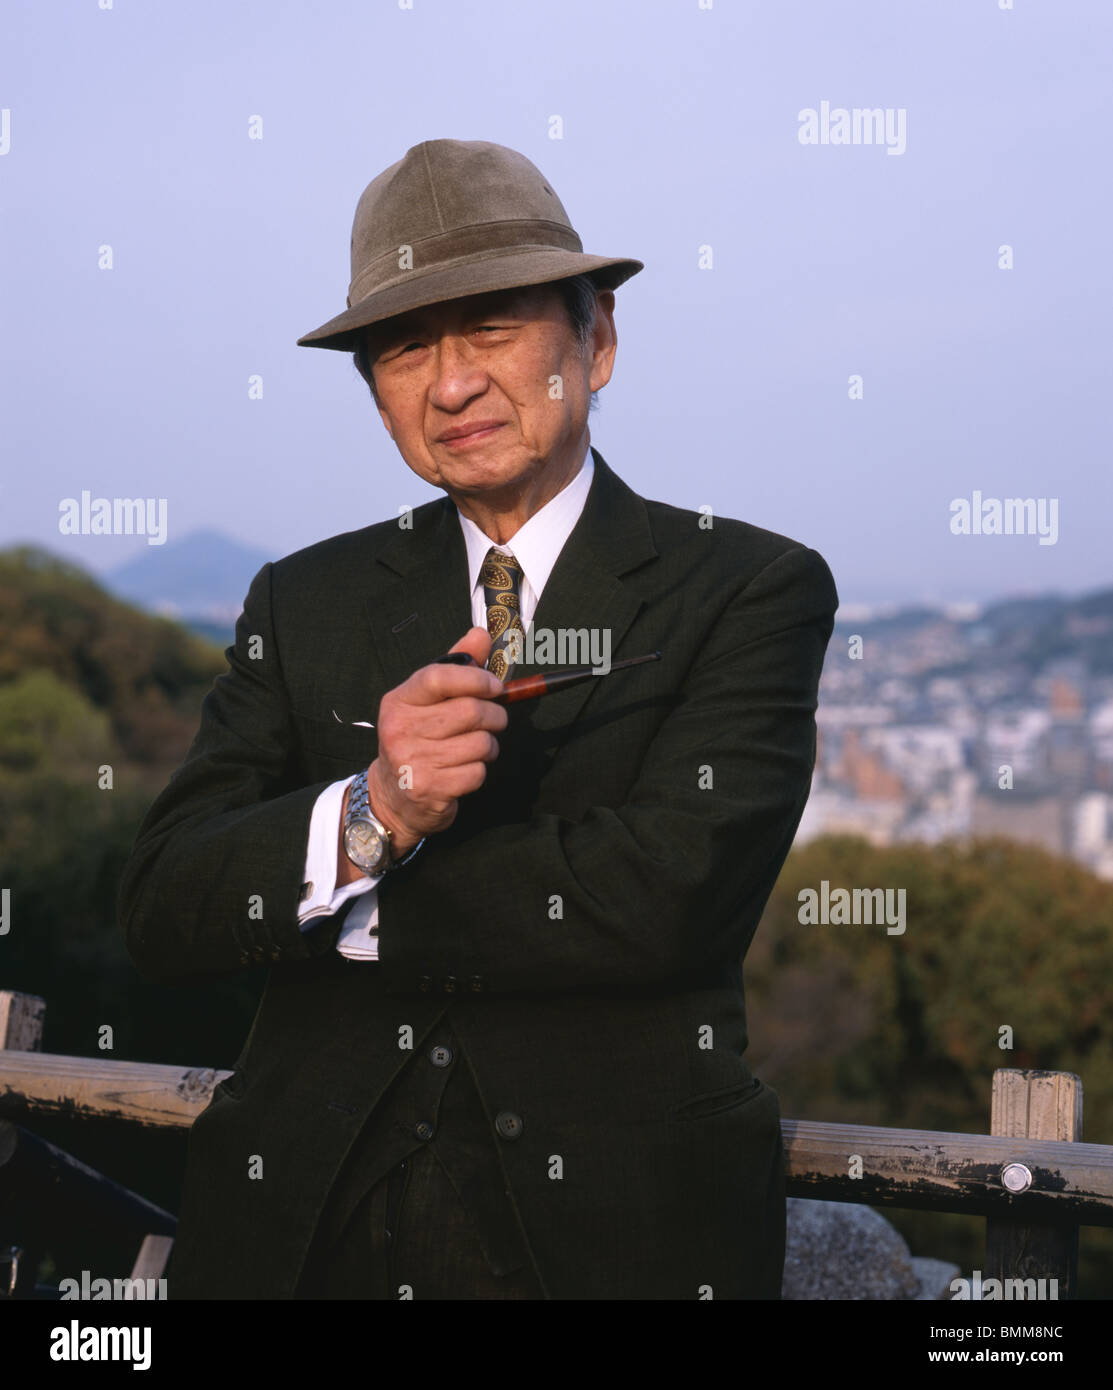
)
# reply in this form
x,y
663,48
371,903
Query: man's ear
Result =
x,y
604,343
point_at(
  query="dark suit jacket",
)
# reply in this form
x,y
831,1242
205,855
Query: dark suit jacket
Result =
x,y
583,921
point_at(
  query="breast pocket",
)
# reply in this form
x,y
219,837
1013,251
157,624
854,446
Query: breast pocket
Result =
x,y
332,746
709,1103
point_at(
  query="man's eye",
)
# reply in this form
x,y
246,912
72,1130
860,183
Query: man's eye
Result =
x,y
479,328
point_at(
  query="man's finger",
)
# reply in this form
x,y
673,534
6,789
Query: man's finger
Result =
x,y
432,684
439,681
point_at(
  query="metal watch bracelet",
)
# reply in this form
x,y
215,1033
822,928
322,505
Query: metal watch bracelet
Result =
x,y
359,808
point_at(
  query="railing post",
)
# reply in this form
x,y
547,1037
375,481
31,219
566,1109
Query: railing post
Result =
x,y
153,1257
21,1021
1033,1105
21,1030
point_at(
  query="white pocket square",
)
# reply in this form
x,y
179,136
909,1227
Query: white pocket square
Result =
x,y
353,724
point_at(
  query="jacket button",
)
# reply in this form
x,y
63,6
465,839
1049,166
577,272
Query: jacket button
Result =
x,y
306,891
449,985
508,1124
423,1130
441,1056
425,984
477,984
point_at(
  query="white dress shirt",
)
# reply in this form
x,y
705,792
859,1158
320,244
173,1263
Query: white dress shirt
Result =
x,y
536,546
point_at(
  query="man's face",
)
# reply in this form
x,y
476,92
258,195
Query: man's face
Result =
x,y
509,360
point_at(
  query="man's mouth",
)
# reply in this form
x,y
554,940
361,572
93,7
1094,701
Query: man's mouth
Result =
x,y
463,435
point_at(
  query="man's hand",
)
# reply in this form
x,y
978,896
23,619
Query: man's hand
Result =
x,y
436,736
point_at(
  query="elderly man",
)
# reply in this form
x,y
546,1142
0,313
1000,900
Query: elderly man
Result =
x,y
500,1049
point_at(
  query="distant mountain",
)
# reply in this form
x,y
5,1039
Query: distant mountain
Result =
x,y
1031,631
71,653
203,577
222,633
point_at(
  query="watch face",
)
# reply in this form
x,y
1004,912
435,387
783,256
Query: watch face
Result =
x,y
363,845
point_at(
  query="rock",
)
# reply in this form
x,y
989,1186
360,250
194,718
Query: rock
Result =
x,y
840,1250
935,1277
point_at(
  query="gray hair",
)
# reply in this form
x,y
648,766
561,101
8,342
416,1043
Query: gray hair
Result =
x,y
579,295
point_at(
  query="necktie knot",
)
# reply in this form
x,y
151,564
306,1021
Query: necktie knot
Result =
x,y
501,577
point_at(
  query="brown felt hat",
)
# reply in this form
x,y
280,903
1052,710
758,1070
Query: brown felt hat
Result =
x,y
456,217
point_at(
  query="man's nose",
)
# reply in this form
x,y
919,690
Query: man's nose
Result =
x,y
458,376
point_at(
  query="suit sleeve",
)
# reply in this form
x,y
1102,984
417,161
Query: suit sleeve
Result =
x,y
214,879
672,882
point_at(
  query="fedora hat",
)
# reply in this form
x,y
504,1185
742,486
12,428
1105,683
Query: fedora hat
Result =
x,y
453,218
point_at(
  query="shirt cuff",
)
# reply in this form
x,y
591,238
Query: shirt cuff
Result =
x,y
320,897
359,936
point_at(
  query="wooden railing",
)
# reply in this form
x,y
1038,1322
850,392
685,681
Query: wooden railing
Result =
x,y
1031,1177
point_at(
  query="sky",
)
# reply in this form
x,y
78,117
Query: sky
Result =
x,y
827,339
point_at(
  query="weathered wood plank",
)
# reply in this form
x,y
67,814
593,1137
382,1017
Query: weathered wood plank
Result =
x,y
933,1169
1037,1105
141,1092
943,1171
21,1021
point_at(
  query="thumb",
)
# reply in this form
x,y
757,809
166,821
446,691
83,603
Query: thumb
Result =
x,y
476,642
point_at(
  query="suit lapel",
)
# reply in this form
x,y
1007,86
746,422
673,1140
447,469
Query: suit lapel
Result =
x,y
586,588
421,604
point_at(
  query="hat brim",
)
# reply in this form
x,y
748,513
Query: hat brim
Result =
x,y
501,270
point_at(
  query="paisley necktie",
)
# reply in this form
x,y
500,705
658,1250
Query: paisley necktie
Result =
x,y
501,576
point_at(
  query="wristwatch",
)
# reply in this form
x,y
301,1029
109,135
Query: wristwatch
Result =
x,y
366,838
